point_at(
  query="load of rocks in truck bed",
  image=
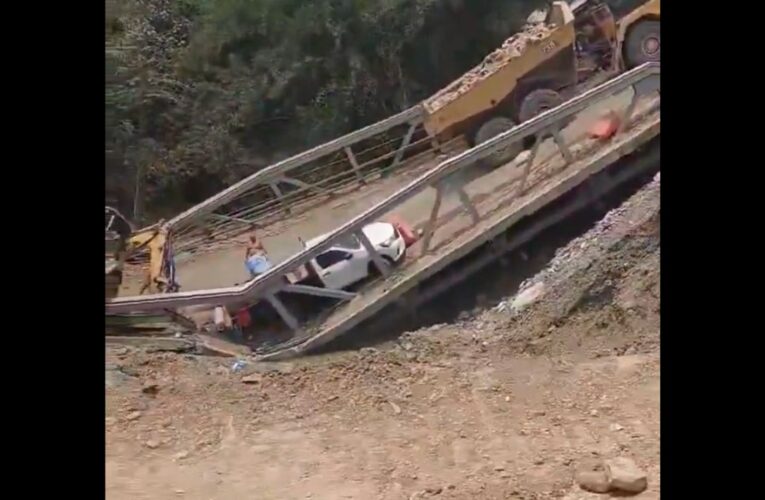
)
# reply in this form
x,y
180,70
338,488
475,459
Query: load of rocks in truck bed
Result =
x,y
511,48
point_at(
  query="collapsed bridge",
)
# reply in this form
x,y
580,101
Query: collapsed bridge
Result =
x,y
457,204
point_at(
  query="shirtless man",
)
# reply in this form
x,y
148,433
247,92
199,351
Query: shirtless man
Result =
x,y
255,257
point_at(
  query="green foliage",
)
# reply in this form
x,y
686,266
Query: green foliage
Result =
x,y
200,93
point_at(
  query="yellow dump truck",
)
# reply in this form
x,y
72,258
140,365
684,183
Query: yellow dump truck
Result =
x,y
549,61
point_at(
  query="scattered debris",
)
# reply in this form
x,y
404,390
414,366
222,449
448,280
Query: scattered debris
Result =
x,y
396,408
253,378
150,388
134,416
527,297
238,365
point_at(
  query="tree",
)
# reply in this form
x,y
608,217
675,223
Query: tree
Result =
x,y
199,93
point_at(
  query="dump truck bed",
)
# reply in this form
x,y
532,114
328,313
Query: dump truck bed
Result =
x,y
493,81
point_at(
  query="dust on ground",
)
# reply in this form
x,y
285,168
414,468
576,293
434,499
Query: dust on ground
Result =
x,y
508,403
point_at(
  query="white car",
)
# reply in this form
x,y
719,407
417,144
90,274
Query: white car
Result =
x,y
348,262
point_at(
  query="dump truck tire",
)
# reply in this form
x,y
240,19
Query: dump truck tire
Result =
x,y
642,44
492,128
538,101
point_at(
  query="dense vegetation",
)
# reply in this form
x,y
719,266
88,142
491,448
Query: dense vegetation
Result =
x,y
200,93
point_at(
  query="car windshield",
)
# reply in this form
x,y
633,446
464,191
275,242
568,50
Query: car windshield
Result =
x,y
348,241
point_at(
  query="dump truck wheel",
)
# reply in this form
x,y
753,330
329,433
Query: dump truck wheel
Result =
x,y
538,101
492,128
643,44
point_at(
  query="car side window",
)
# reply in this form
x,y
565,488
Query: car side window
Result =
x,y
330,258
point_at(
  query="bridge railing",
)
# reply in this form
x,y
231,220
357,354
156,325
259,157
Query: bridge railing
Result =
x,y
643,80
277,190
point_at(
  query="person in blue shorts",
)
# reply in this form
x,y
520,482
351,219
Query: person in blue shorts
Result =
x,y
255,258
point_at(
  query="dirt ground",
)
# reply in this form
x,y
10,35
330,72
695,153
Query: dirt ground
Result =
x,y
508,403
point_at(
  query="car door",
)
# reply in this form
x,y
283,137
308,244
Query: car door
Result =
x,y
358,266
334,268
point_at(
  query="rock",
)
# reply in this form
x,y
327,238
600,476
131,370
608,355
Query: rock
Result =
x,y
254,378
615,427
368,351
135,415
595,481
151,388
407,346
115,377
624,475
181,455
593,413
501,307
527,297
109,421
499,468
152,444
396,408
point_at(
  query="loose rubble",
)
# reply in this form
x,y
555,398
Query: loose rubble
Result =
x,y
511,49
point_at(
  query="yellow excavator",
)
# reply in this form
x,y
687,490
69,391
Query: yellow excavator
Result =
x,y
123,242
556,56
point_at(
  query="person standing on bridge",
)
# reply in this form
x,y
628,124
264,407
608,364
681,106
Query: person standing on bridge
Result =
x,y
255,257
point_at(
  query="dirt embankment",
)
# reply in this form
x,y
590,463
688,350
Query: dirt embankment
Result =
x,y
510,403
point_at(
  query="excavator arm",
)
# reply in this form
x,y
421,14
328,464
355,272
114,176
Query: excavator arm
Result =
x,y
123,242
